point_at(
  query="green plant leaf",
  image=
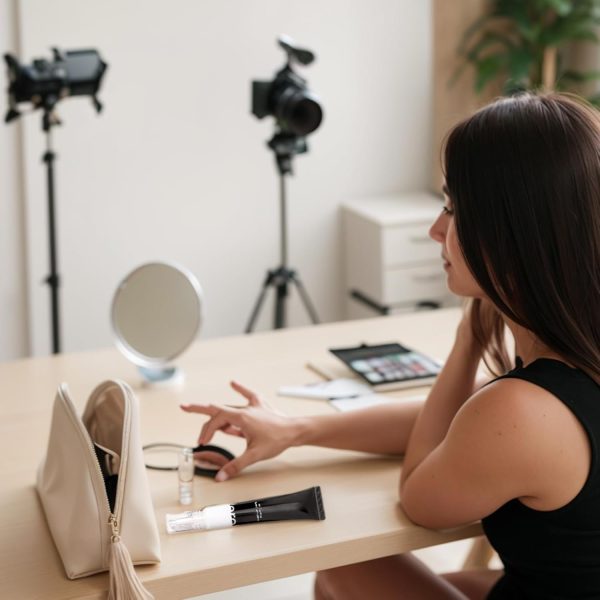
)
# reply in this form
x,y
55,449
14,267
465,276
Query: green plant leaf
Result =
x,y
587,9
594,100
586,35
530,31
487,40
579,76
525,16
560,7
520,61
487,69
512,87
562,31
514,34
472,30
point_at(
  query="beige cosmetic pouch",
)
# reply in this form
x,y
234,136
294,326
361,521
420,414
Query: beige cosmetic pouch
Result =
x,y
89,460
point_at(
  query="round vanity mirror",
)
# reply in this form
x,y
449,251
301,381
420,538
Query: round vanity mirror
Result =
x,y
156,314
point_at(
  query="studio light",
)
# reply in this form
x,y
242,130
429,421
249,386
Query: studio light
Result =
x,y
44,82
42,85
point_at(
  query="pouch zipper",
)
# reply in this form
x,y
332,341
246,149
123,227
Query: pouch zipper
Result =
x,y
113,518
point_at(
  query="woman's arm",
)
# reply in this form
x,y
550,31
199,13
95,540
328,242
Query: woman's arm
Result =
x,y
453,386
478,330
382,429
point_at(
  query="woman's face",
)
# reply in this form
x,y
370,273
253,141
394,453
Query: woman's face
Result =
x,y
460,281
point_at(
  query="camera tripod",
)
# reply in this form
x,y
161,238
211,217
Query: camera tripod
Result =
x,y
285,145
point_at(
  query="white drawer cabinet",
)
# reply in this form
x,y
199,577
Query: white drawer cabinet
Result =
x,y
391,263
420,283
400,242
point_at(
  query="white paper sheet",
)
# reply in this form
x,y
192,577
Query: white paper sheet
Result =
x,y
336,388
347,404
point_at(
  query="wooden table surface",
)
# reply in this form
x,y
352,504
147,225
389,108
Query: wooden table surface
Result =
x,y
360,492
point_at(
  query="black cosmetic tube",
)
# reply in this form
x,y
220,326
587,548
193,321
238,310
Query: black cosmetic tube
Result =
x,y
306,504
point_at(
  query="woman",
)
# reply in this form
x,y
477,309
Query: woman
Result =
x,y
520,237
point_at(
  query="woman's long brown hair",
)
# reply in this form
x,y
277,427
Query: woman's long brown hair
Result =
x,y
523,174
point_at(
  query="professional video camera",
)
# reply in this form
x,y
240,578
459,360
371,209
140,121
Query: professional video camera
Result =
x,y
297,113
287,97
44,83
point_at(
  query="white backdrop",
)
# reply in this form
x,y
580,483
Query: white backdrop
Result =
x,y
14,337
176,168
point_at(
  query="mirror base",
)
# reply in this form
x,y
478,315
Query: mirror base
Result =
x,y
161,376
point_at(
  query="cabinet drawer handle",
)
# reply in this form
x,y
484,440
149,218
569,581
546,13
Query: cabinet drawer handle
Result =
x,y
428,277
422,239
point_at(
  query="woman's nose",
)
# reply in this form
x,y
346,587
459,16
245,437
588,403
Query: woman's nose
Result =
x,y
436,231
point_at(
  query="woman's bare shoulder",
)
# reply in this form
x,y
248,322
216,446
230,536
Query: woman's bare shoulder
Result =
x,y
548,440
511,439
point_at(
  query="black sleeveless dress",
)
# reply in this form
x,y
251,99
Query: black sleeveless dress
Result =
x,y
553,555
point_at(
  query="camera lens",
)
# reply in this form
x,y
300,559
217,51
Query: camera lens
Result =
x,y
299,111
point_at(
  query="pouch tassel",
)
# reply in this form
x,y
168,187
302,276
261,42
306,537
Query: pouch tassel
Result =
x,y
123,582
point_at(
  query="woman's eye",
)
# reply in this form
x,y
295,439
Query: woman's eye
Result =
x,y
447,211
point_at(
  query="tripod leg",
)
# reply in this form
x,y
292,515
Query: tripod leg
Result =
x,y
259,302
281,295
310,309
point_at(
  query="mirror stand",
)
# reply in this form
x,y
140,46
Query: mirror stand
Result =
x,y
161,376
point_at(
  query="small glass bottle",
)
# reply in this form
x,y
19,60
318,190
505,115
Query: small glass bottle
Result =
x,y
185,472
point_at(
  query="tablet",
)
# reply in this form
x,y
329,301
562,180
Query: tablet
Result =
x,y
388,364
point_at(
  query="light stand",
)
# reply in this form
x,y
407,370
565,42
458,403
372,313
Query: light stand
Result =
x,y
285,146
53,279
43,84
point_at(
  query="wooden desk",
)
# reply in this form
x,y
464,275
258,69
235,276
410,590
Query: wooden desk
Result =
x,y
364,519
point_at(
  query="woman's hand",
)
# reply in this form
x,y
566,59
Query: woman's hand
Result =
x,y
482,332
479,322
267,431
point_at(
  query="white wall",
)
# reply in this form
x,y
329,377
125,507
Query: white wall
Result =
x,y
14,340
176,168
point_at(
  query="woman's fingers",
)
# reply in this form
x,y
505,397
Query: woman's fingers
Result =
x,y
232,430
229,429
233,467
252,398
203,409
227,420
202,439
209,429
224,418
